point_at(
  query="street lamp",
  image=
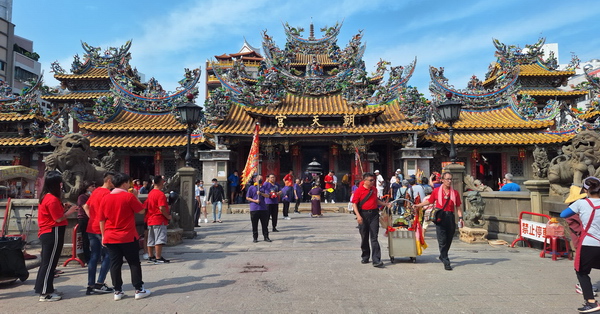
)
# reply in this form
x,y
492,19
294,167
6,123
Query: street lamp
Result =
x,y
190,114
449,112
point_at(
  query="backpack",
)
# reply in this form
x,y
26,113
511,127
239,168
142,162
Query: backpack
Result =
x,y
427,189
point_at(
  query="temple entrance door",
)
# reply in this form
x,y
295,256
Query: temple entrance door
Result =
x,y
489,169
285,165
141,167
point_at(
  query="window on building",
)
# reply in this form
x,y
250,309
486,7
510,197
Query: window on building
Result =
x,y
516,166
2,65
24,75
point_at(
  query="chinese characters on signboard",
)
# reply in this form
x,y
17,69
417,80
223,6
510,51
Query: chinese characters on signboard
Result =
x,y
533,230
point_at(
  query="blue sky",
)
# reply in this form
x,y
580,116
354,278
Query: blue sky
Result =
x,y
169,36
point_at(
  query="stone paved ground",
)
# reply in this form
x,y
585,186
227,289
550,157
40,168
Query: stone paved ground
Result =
x,y
313,266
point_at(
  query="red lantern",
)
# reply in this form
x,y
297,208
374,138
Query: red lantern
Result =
x,y
475,154
157,155
522,153
295,150
334,150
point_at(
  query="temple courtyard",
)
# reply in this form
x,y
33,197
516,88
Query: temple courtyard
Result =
x,y
313,266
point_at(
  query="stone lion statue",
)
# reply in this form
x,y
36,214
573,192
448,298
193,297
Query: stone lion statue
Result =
x,y
475,184
578,160
473,216
72,156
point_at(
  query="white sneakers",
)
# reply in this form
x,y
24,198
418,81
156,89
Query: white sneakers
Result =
x,y
205,221
140,294
119,295
287,218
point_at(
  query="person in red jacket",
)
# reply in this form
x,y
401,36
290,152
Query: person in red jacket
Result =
x,y
158,217
52,223
117,224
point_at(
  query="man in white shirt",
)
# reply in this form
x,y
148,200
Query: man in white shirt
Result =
x,y
380,184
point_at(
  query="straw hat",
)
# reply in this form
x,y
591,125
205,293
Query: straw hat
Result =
x,y
575,193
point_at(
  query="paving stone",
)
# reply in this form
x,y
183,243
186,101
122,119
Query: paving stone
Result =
x,y
313,266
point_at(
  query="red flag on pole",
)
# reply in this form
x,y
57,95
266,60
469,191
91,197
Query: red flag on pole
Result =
x,y
251,167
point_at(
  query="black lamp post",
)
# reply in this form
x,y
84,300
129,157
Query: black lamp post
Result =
x,y
449,112
190,114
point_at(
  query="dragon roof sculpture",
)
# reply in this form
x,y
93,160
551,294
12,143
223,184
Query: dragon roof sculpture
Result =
x,y
308,67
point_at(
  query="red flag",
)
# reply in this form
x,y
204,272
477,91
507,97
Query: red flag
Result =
x,y
251,167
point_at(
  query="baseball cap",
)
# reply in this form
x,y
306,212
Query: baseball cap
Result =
x,y
398,170
376,171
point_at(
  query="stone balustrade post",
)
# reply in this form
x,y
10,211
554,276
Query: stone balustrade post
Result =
x,y
538,189
186,201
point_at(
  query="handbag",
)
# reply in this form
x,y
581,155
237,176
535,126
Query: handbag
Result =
x,y
435,212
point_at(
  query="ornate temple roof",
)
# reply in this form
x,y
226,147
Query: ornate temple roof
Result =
x,y
145,141
313,78
324,106
502,138
390,121
17,141
79,95
130,121
551,92
538,69
86,74
17,117
497,118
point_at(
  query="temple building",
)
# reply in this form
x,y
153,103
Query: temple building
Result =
x,y
249,56
316,101
131,121
518,107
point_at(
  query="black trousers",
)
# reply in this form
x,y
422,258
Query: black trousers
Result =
x,y
298,200
274,212
445,233
52,245
369,230
83,222
130,250
263,217
286,208
589,257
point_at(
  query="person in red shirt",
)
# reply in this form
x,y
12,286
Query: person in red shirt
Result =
x,y
97,251
329,187
158,217
52,223
366,207
119,235
288,180
447,199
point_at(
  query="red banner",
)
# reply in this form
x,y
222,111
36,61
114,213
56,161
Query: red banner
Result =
x,y
252,162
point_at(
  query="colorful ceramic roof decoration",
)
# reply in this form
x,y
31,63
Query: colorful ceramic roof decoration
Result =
x,y
107,98
313,86
507,108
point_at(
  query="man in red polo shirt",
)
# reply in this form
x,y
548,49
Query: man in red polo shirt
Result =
x,y
117,224
158,218
366,207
